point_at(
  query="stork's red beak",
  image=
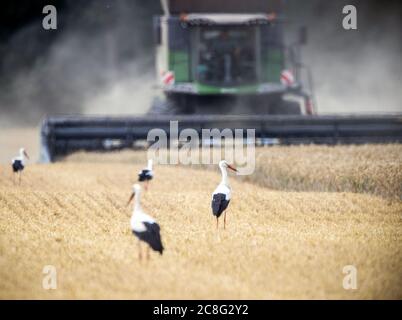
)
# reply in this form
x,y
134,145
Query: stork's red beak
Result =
x,y
26,154
131,198
232,168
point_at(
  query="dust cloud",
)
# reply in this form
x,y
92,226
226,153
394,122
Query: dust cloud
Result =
x,y
354,71
97,62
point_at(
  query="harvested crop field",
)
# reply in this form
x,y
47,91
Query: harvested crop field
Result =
x,y
278,243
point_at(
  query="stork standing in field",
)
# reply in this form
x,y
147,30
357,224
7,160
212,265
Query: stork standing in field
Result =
x,y
18,163
146,174
143,226
222,194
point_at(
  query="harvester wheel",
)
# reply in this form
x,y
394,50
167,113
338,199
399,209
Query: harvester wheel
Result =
x,y
160,106
287,107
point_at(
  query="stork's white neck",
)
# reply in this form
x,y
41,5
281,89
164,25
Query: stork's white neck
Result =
x,y
22,155
137,204
224,172
149,166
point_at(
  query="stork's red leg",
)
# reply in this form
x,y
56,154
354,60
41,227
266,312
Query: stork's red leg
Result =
x,y
217,221
139,250
147,253
224,220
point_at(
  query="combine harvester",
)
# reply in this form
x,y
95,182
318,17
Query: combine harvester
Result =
x,y
223,64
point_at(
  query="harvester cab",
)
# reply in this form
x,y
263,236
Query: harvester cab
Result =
x,y
227,57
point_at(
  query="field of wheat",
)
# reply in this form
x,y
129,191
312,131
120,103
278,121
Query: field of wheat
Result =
x,y
278,243
372,169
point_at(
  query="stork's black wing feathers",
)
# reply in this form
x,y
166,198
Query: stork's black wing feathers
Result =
x,y
17,165
219,204
145,175
151,236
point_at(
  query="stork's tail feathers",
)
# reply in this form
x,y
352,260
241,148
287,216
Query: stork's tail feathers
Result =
x,y
217,201
157,245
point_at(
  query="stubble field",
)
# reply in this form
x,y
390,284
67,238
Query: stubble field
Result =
x,y
285,243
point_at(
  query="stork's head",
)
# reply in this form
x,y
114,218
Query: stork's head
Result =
x,y
23,153
223,164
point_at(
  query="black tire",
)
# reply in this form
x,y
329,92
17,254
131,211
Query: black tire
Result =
x,y
286,107
172,105
160,106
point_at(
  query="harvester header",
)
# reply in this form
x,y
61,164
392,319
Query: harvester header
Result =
x,y
63,135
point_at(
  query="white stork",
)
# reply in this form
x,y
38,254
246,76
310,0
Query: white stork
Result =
x,y
143,226
146,174
18,163
222,194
